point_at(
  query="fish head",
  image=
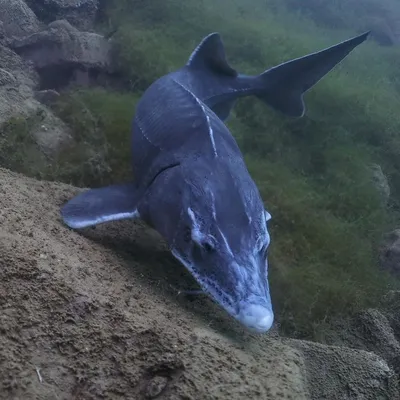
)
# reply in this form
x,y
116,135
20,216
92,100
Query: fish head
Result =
x,y
221,237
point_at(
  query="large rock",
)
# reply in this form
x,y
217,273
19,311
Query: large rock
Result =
x,y
92,315
61,43
80,13
17,19
372,330
61,50
18,80
343,373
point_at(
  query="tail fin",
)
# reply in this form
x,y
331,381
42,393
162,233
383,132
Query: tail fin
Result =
x,y
285,84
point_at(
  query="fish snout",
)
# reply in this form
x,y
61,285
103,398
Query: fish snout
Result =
x,y
256,317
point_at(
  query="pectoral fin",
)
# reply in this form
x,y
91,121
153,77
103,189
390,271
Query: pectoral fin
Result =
x,y
96,206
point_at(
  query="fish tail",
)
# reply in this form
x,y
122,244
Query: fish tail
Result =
x,y
282,87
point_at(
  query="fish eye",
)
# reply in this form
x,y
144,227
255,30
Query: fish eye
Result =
x,y
205,246
208,247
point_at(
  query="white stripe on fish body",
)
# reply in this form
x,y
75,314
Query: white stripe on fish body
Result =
x,y
210,129
226,242
211,132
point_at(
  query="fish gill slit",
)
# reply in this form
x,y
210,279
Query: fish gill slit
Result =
x,y
210,129
226,242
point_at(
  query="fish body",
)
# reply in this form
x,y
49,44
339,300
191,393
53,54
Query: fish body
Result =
x,y
191,182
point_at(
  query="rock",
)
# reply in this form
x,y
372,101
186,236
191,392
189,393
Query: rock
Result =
x,y
156,386
379,335
18,81
380,182
372,330
61,49
61,43
389,254
155,343
391,305
17,19
47,97
51,134
344,373
80,13
6,78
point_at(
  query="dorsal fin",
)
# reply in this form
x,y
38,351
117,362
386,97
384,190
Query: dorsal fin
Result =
x,y
210,54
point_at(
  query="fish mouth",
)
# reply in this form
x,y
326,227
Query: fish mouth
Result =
x,y
257,318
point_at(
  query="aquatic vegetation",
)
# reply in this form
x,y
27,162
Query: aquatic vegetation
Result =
x,y
18,148
101,122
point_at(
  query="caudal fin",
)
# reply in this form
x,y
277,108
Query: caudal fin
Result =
x,y
285,84
96,206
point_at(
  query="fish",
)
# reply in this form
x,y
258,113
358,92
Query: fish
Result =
x,y
191,183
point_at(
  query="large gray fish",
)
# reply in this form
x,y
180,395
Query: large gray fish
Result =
x,y
191,183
